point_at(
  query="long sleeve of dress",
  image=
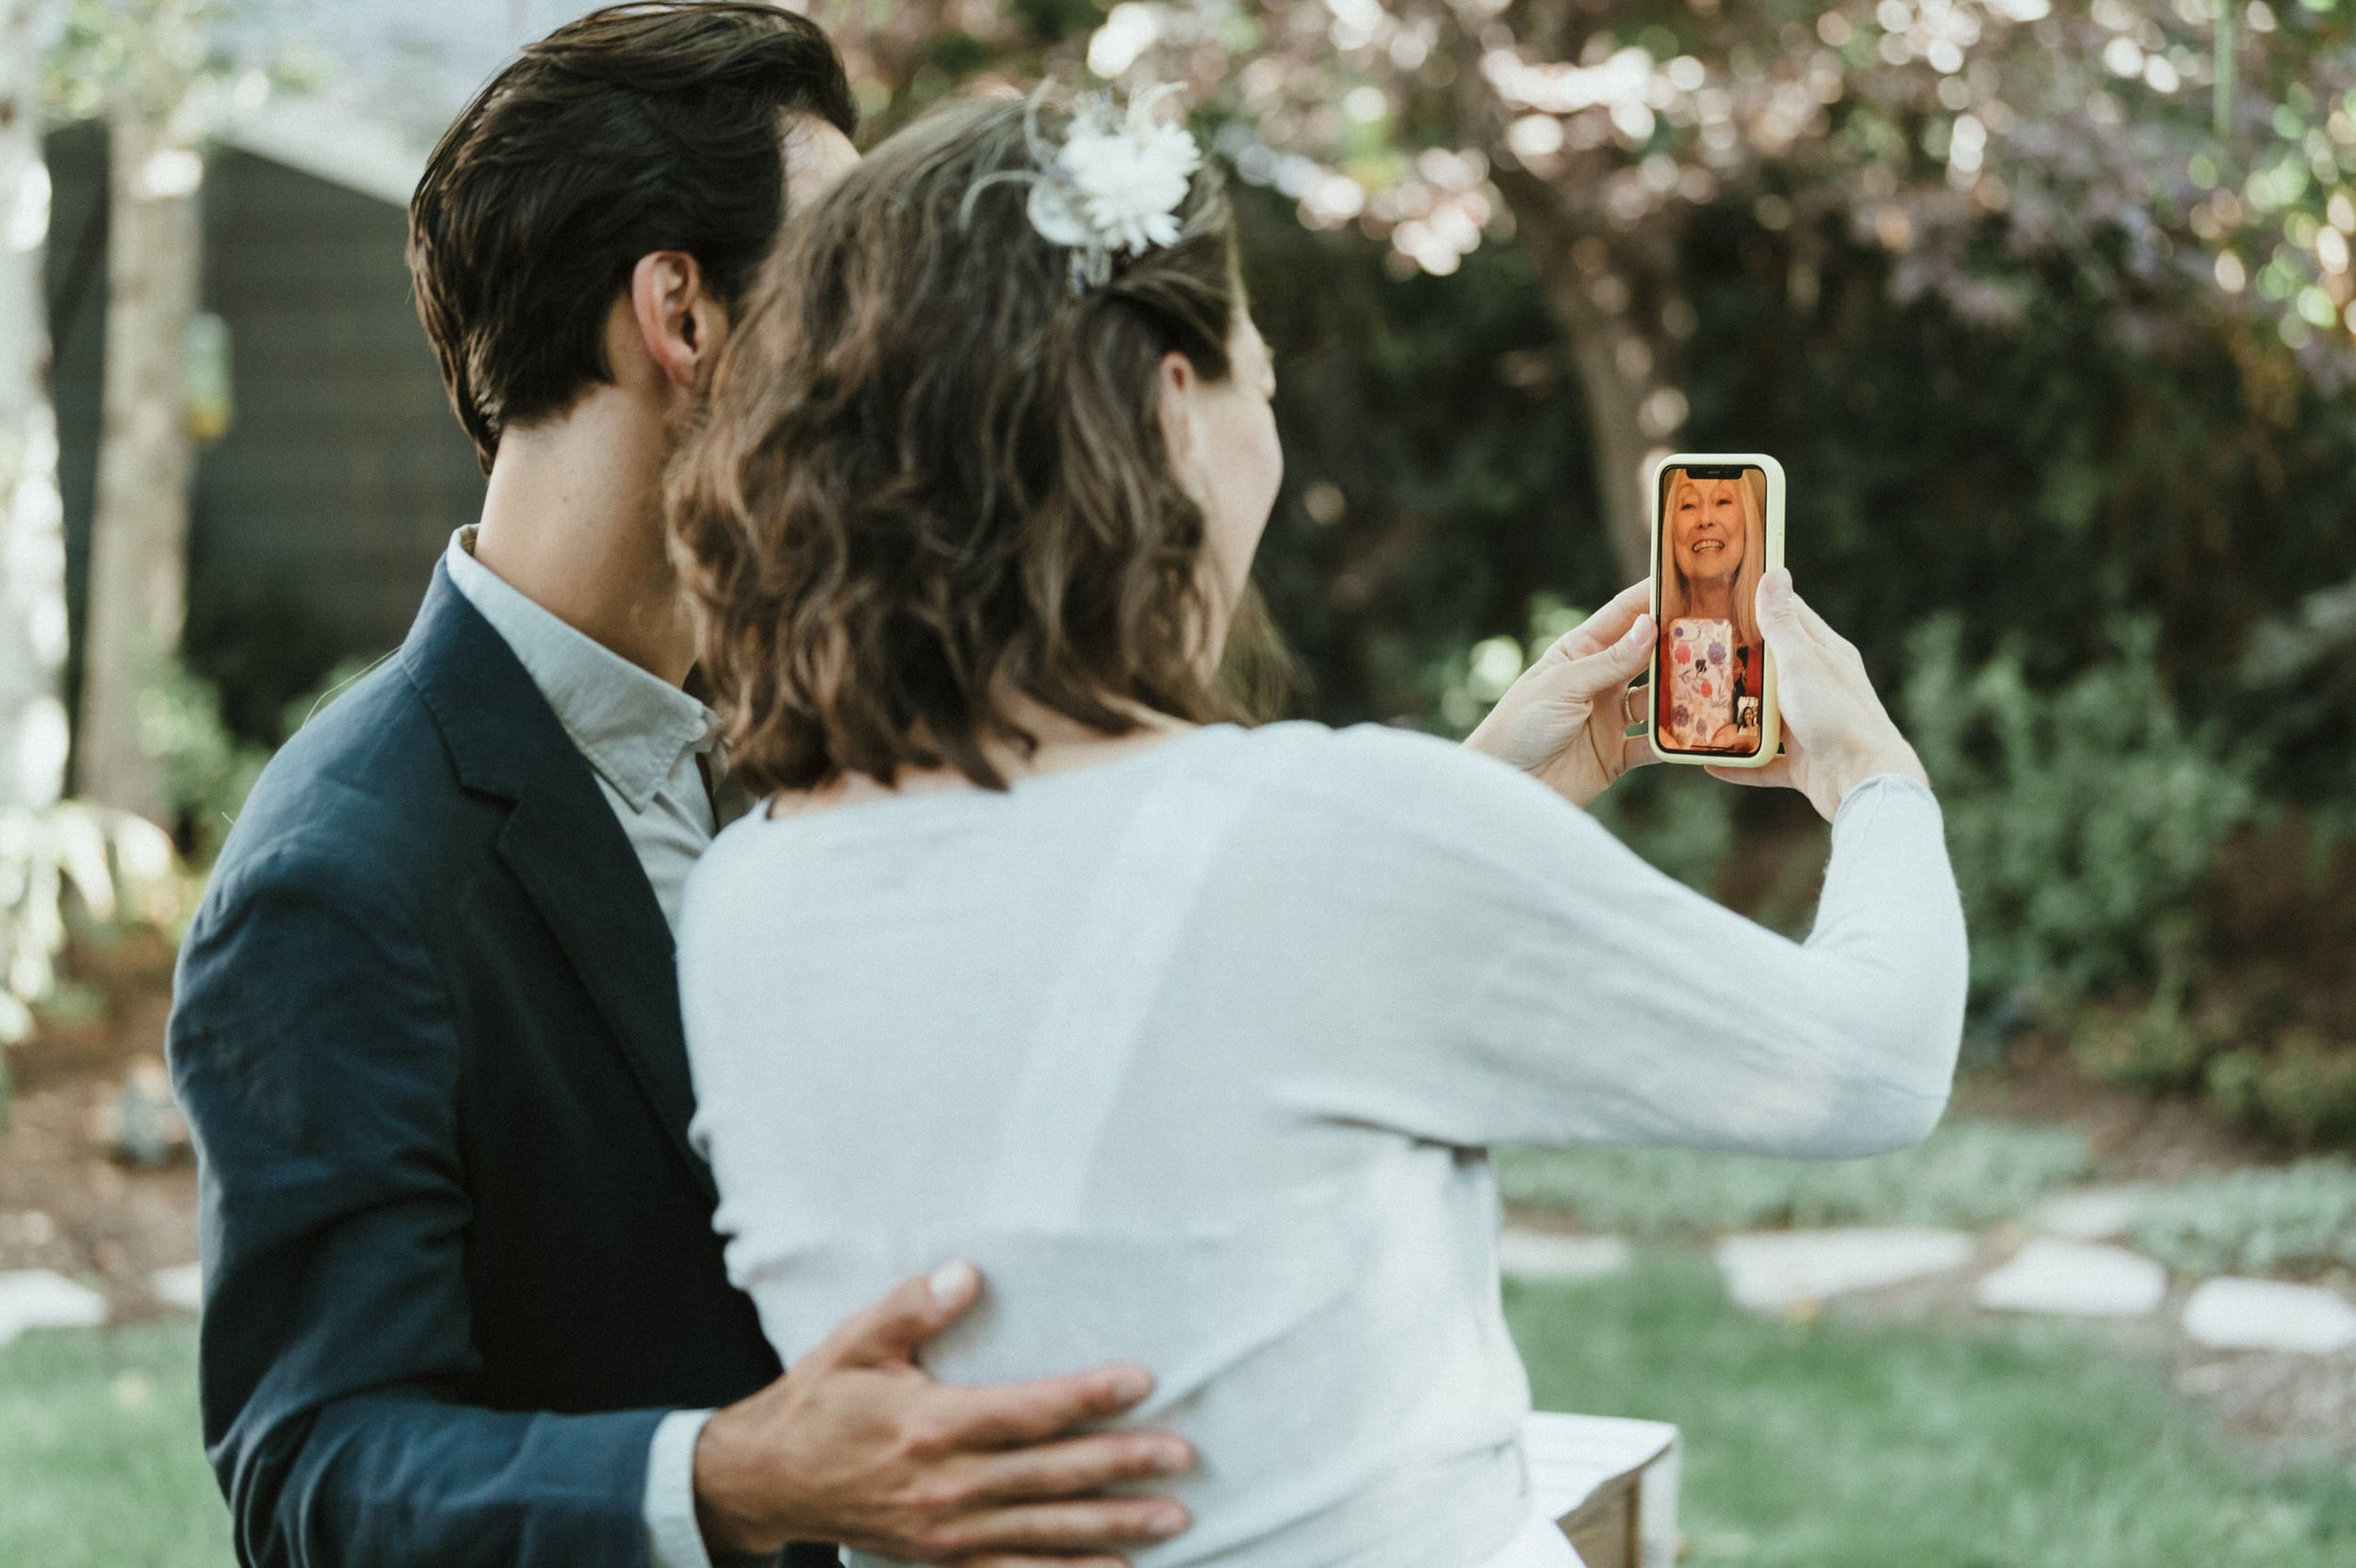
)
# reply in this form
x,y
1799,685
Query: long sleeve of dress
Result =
x,y
1534,981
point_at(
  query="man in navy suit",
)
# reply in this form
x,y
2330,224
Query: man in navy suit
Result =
x,y
463,1303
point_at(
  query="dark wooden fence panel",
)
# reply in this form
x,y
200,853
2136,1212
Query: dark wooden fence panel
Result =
x,y
318,516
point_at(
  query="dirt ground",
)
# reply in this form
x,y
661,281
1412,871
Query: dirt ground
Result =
x,y
66,1203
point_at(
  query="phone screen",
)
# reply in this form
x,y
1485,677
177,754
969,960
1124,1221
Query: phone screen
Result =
x,y
1712,664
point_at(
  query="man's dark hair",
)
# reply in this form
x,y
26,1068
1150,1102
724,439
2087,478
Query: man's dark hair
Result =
x,y
650,127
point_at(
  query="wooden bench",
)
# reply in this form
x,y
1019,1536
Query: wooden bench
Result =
x,y
1610,1482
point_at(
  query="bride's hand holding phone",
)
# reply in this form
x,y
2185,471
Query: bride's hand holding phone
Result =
x,y
1565,720
1837,733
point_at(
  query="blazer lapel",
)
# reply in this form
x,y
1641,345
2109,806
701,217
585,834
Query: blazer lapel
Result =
x,y
564,844
570,855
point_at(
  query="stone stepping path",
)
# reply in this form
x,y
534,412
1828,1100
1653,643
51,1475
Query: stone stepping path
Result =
x,y
42,1298
2266,1315
1528,1254
182,1287
1780,1270
2090,1214
2075,1279
2062,1272
37,1299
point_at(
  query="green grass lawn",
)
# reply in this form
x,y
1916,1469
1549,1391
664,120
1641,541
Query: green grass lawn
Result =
x,y
1837,1444
99,1459
1823,1444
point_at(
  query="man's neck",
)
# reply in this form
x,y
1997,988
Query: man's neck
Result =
x,y
573,522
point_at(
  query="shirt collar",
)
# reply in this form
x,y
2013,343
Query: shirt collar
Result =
x,y
633,727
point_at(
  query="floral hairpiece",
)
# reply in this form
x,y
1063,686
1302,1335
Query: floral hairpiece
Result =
x,y
1113,187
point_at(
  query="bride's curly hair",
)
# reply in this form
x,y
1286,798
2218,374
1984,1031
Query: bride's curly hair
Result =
x,y
930,474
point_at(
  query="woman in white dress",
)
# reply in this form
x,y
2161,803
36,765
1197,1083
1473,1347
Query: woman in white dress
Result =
x,y
1193,1036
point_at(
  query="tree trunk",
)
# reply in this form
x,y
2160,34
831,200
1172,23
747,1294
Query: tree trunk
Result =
x,y
32,521
1615,401
139,537
1619,365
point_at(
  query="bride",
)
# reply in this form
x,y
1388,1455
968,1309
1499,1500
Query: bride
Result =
x,y
1191,1036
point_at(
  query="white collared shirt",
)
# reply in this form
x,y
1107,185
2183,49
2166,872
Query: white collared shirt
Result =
x,y
647,742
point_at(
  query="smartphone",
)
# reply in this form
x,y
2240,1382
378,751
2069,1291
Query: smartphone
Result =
x,y
1717,527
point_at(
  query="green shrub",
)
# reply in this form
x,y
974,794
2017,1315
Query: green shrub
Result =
x,y
2296,1219
207,771
2082,818
2158,1047
2303,1088
1968,1173
2285,1079
112,864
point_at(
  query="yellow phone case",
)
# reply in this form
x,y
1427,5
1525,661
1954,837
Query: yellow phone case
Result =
x,y
1770,720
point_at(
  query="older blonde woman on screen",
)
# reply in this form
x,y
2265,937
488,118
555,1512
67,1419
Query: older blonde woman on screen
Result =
x,y
1192,1036
1714,553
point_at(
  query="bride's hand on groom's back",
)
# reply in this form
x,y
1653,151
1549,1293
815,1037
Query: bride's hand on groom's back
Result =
x,y
858,1445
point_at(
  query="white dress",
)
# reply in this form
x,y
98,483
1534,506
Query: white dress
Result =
x,y
1198,1054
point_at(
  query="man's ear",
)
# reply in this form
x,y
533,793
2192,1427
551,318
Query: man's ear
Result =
x,y
679,320
1175,382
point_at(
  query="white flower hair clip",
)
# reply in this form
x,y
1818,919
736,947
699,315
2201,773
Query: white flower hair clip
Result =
x,y
1115,186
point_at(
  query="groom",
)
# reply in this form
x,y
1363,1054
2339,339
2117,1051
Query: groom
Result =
x,y
463,1302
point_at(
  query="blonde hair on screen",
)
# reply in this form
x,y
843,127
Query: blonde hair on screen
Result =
x,y
1751,493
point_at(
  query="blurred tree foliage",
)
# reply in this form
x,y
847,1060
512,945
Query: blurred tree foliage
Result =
x,y
2040,306
2136,150
2034,483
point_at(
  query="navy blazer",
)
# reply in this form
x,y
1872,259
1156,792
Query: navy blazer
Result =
x,y
458,1251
